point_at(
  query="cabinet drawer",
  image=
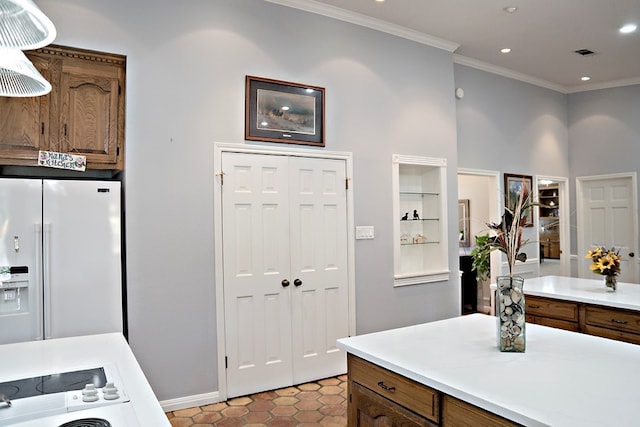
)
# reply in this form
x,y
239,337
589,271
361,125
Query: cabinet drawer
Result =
x,y
620,320
456,413
554,323
408,393
545,307
370,409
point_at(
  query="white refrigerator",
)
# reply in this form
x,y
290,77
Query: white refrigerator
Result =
x,y
60,258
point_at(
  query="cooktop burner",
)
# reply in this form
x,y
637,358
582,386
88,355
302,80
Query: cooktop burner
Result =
x,y
87,422
54,383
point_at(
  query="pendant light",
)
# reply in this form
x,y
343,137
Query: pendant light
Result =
x,y
24,26
18,76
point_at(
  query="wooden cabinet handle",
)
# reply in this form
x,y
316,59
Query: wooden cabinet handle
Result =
x,y
383,386
619,322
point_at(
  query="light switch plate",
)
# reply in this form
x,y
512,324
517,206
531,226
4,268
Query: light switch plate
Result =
x,y
364,232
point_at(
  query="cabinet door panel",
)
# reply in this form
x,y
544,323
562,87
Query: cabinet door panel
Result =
x,y
89,112
23,122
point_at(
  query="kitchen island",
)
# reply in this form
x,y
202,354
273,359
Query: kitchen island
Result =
x,y
590,291
584,305
563,379
46,357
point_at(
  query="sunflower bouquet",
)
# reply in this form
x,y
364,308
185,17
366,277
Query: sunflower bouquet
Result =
x,y
604,261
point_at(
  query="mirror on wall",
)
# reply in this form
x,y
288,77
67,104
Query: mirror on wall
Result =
x,y
464,216
553,226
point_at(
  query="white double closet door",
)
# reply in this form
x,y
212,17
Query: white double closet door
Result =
x,y
285,269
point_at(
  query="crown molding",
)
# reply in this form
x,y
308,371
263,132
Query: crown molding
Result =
x,y
605,85
505,72
368,22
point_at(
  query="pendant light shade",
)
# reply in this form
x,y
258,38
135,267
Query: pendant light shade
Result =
x,y
18,76
24,26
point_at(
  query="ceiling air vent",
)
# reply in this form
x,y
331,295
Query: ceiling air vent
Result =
x,y
585,52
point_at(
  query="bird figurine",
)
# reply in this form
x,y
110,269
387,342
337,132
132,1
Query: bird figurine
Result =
x,y
415,214
405,217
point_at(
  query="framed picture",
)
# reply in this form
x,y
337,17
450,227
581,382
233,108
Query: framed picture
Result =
x,y
513,185
463,223
277,111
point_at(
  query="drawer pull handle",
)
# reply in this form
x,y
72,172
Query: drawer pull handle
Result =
x,y
383,386
619,322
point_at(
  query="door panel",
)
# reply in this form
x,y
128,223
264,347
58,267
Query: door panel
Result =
x,y
609,220
256,260
319,260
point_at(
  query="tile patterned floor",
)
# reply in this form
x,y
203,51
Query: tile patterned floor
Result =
x,y
322,403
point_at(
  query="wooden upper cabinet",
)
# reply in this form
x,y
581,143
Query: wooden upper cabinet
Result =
x,y
22,122
84,113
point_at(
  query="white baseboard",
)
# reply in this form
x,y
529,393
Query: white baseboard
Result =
x,y
190,401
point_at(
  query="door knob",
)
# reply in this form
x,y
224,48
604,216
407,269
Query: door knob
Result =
x,y
297,282
631,254
285,283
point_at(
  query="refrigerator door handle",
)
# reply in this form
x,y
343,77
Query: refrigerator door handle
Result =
x,y
46,276
38,287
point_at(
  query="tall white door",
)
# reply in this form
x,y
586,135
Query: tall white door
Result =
x,y
285,276
607,217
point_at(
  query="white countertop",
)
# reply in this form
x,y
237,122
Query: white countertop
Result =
x,y
24,360
591,291
563,379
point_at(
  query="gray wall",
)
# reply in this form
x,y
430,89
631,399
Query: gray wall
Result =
x,y
185,90
604,130
510,126
513,127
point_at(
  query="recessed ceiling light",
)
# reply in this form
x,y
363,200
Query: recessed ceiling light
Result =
x,y
510,9
585,78
628,28
505,50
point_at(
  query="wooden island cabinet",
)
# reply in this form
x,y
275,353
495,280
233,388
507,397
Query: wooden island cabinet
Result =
x,y
450,373
584,305
379,397
83,114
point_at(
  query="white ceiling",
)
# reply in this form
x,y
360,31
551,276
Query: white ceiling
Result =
x,y
543,35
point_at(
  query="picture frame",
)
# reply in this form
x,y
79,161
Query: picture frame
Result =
x,y
284,112
513,184
464,223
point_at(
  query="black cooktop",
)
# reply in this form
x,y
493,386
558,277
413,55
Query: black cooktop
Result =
x,y
88,422
54,383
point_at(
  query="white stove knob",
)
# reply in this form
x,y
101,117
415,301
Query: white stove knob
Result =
x,y
89,389
110,392
89,393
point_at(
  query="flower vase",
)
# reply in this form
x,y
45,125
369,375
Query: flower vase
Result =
x,y
611,281
510,314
